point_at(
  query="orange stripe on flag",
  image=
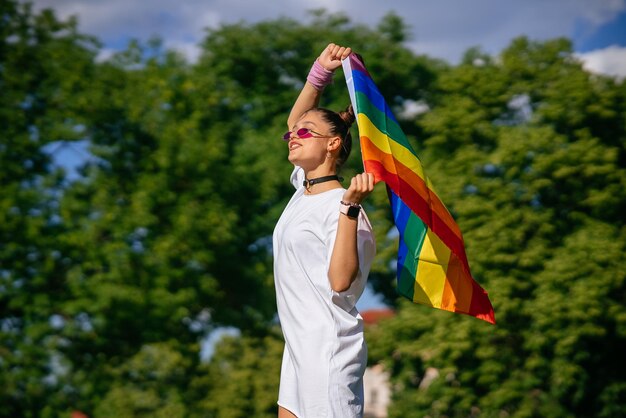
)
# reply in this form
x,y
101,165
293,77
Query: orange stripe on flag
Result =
x,y
458,291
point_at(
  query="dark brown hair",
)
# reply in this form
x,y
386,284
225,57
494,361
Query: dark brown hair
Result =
x,y
340,123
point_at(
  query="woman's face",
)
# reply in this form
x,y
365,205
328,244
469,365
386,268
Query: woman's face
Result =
x,y
309,153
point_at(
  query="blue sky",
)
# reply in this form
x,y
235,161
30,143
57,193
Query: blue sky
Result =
x,y
612,32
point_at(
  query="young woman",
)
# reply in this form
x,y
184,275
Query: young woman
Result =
x,y
323,249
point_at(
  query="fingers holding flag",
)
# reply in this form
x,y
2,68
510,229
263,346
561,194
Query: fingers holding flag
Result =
x,y
360,187
331,56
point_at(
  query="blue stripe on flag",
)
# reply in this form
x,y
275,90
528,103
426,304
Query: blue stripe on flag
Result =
x,y
365,85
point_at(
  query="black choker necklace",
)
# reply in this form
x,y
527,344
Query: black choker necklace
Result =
x,y
308,183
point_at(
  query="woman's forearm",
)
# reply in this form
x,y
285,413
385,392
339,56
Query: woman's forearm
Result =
x,y
309,98
344,261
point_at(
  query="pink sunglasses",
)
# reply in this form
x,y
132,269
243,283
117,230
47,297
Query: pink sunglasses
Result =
x,y
303,133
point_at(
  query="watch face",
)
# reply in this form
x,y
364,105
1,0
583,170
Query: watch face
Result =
x,y
353,211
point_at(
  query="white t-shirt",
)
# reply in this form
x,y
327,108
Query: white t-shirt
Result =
x,y
325,353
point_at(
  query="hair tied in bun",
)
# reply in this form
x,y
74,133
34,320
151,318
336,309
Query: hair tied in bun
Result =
x,y
348,116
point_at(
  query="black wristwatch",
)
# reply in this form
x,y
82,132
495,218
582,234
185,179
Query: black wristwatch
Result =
x,y
351,210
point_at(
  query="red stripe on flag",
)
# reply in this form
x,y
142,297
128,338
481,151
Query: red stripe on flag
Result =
x,y
481,306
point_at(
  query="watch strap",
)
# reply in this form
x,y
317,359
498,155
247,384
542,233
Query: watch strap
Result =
x,y
351,210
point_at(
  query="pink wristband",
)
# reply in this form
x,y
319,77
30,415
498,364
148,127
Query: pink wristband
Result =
x,y
319,76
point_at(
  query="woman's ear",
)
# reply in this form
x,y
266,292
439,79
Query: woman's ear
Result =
x,y
334,143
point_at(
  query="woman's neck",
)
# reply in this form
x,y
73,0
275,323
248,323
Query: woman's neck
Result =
x,y
322,186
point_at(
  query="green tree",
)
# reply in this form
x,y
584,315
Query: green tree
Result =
x,y
41,103
241,380
148,384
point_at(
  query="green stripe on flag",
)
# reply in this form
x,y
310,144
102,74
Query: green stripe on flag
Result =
x,y
413,238
387,126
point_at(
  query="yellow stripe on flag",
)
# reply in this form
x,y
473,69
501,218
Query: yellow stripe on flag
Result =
x,y
431,270
389,146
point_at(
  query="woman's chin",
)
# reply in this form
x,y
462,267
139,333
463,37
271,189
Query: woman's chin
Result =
x,y
293,159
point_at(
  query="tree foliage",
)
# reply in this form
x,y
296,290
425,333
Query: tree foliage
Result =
x,y
110,282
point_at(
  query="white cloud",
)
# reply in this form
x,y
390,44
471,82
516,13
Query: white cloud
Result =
x,y
600,12
190,50
105,54
444,29
609,61
411,108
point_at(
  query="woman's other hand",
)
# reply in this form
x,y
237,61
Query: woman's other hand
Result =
x,y
361,186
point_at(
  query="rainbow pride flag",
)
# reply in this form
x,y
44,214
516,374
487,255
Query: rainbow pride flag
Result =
x,y
432,265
